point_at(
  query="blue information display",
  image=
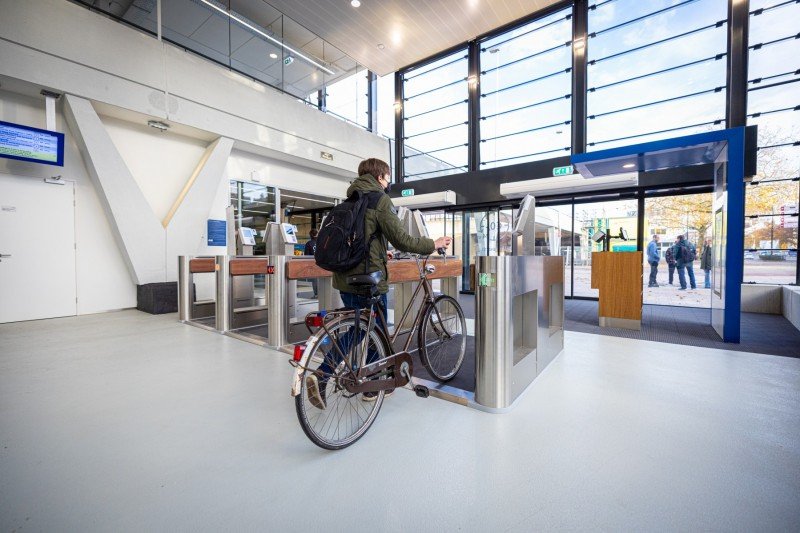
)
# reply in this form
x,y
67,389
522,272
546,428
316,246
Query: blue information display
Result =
x,y
31,144
217,234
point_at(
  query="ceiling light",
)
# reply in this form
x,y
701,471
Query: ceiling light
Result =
x,y
629,165
381,46
273,55
158,125
355,3
266,36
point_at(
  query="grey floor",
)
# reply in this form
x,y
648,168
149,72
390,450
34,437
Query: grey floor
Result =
x,y
131,422
691,326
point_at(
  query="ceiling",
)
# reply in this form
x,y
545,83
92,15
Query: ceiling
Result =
x,y
409,30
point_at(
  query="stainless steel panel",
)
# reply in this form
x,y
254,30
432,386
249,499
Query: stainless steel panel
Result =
x,y
519,324
278,304
223,307
184,289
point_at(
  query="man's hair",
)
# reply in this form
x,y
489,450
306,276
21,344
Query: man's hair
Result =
x,y
681,237
373,166
313,233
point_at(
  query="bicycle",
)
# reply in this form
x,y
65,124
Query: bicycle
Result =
x,y
348,357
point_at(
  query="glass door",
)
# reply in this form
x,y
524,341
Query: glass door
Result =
x,y
666,220
619,219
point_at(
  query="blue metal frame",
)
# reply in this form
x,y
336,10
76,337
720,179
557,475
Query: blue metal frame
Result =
x,y
701,148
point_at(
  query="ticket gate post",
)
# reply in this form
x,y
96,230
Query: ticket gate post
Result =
x,y
200,313
240,317
519,316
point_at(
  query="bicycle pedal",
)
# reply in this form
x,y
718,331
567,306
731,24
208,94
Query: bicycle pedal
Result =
x,y
421,391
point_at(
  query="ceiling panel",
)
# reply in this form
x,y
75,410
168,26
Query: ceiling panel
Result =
x,y
410,30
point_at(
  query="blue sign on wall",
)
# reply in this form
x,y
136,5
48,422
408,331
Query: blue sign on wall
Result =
x,y
217,233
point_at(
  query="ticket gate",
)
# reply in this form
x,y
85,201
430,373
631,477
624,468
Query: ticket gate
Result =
x,y
191,310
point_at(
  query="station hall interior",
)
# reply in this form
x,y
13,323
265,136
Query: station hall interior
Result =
x,y
619,185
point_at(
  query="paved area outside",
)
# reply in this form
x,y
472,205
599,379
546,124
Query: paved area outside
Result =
x,y
131,422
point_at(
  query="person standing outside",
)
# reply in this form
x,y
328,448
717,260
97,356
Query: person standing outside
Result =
x,y
685,254
670,257
374,175
653,257
311,247
705,263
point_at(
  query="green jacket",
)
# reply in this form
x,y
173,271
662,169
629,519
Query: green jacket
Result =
x,y
383,222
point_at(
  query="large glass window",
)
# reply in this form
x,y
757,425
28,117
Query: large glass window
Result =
x,y
435,118
773,102
347,98
656,69
525,88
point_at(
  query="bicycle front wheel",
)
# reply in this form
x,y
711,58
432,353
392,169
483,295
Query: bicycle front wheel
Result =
x,y
331,417
443,338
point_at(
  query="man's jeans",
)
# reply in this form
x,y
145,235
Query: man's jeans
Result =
x,y
707,284
653,272
682,275
332,357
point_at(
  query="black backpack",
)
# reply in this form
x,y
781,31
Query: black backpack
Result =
x,y
341,242
688,253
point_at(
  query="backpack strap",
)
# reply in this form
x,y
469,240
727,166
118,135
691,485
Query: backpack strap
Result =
x,y
372,202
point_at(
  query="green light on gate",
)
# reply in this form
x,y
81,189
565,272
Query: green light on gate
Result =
x,y
563,171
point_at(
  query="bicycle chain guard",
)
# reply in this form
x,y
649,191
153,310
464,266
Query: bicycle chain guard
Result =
x,y
389,365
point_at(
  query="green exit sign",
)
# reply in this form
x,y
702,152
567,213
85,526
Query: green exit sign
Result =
x,y
407,192
562,171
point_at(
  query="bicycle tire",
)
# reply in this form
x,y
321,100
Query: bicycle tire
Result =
x,y
309,415
443,365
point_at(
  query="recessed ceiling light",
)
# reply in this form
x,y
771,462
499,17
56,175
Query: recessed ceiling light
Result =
x,y
355,3
629,165
381,46
273,55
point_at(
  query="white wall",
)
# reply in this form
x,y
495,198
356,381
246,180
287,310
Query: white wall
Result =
x,y
284,175
102,278
160,162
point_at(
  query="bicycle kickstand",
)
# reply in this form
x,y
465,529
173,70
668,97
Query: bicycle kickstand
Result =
x,y
420,390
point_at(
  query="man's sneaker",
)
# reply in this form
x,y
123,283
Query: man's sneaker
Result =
x,y
314,394
372,396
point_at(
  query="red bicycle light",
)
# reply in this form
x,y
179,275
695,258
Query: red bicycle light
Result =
x,y
298,351
314,321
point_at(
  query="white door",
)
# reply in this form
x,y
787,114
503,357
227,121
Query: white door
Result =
x,y
37,244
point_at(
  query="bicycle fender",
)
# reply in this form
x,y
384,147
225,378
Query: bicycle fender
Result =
x,y
301,365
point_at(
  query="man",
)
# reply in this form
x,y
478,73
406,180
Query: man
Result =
x,y
374,175
670,257
311,247
705,263
685,254
653,257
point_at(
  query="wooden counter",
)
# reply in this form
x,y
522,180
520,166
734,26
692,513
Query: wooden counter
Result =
x,y
400,270
202,264
618,277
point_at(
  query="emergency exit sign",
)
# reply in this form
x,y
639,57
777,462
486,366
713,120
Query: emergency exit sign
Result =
x,y
562,171
407,192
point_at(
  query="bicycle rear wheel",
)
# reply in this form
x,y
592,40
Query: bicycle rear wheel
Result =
x,y
340,418
443,338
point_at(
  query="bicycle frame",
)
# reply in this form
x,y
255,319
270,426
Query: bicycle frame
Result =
x,y
362,371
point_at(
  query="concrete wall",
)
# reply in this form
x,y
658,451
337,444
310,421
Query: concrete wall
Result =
x,y
761,299
790,305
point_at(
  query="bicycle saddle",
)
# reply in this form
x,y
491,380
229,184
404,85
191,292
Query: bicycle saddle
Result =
x,y
365,280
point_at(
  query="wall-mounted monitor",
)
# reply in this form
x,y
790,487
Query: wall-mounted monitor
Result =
x,y
31,144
